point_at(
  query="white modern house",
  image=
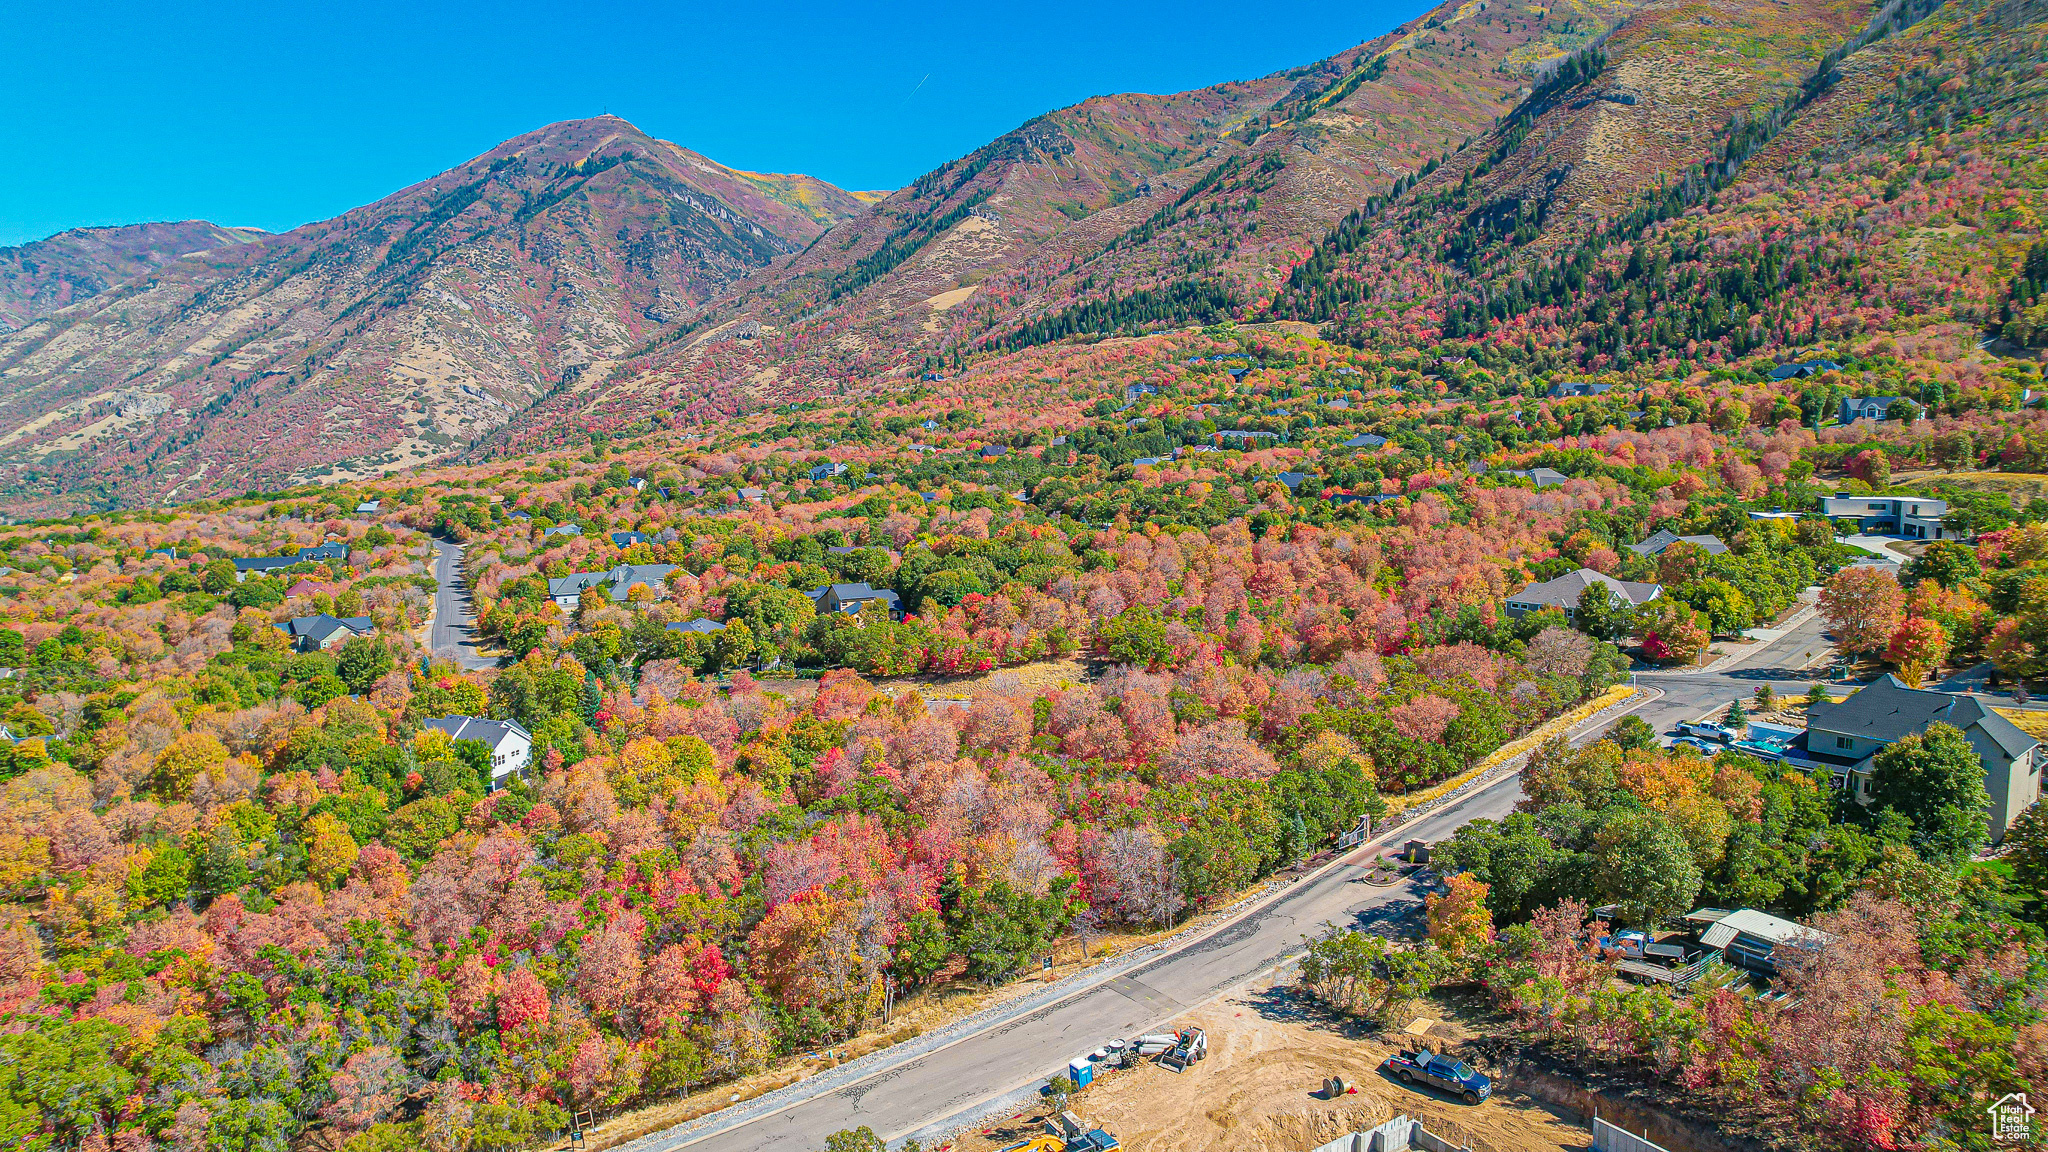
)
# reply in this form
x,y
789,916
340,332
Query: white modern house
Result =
x,y
1917,517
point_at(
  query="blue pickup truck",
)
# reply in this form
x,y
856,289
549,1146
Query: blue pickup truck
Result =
x,y
1453,1076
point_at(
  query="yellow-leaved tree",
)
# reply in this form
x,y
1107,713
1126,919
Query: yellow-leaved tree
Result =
x,y
330,850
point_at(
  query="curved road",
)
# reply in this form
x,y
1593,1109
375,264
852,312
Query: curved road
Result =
x,y
453,634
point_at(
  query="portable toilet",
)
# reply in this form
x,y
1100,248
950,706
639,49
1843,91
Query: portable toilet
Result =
x,y
1080,1071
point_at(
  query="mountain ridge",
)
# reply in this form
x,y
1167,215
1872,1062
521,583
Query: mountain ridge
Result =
x,y
397,330
1461,182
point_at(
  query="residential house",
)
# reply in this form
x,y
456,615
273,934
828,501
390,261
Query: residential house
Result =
x,y
567,591
317,633
755,495
991,451
1133,391
826,471
1294,480
1340,403
1362,498
1241,435
853,597
511,745
1541,477
332,550
627,539
368,507
1918,517
1665,538
1856,408
1148,461
564,530
1803,369
1563,388
1366,440
1564,592
1753,940
1844,737
700,626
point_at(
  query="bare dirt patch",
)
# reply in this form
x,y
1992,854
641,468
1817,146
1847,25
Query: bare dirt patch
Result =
x,y
1258,1091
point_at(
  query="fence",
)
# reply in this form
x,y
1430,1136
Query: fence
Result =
x,y
1608,1138
1397,1135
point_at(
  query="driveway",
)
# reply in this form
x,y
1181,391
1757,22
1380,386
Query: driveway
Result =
x,y
1783,663
453,635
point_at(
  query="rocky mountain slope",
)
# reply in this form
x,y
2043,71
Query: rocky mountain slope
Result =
x,y
39,278
1119,211
1588,187
396,332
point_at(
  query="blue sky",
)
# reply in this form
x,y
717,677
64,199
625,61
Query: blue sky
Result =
x,y
273,115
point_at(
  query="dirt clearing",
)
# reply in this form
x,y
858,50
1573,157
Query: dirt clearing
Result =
x,y
1258,1092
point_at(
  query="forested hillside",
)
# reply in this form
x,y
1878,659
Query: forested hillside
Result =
x,y
884,594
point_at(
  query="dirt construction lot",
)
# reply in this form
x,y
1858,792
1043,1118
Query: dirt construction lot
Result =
x,y
1258,1092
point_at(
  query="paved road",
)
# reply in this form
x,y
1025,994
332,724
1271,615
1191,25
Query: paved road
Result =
x,y
906,1098
1782,663
1013,1054
454,633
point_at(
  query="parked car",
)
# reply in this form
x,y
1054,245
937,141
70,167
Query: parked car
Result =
x,y
1453,1076
1708,731
1629,942
1698,745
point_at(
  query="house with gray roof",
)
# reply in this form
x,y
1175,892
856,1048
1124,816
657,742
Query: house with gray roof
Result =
x,y
1665,538
1563,388
511,745
567,591
850,598
1856,408
699,626
318,633
1366,440
1540,477
1563,593
331,550
1804,368
1843,737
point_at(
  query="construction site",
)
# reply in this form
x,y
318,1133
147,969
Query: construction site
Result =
x,y
1257,1077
